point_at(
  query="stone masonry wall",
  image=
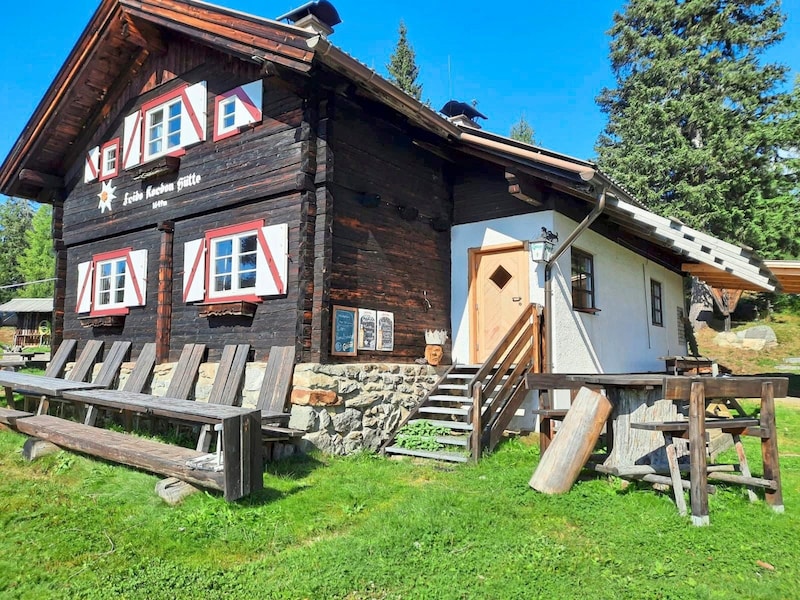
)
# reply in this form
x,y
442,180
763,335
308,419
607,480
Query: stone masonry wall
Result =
x,y
345,408
342,408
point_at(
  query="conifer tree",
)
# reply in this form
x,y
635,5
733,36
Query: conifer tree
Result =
x,y
402,67
37,262
522,131
15,221
696,120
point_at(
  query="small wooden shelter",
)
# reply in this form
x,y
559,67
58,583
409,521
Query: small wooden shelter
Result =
x,y
34,317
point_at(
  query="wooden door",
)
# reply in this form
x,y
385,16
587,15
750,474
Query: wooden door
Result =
x,y
499,291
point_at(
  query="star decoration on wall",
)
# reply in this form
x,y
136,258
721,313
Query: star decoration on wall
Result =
x,y
106,195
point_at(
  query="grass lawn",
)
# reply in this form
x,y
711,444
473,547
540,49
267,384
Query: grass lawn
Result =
x,y
368,527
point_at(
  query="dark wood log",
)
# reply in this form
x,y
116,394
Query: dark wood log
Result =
x,y
697,455
572,446
44,180
769,447
164,306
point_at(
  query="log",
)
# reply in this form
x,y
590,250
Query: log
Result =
x,y
572,446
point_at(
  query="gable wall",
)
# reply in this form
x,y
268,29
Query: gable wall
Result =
x,y
252,175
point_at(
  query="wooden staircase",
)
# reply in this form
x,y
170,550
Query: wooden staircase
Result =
x,y
474,398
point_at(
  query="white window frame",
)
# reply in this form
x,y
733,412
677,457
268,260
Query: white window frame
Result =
x,y
169,141
236,267
107,172
116,285
226,105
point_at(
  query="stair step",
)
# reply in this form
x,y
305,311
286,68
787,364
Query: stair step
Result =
x,y
454,425
444,410
448,398
437,455
461,387
460,375
453,440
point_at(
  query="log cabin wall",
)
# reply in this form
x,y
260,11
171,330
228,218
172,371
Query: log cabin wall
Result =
x,y
251,175
380,260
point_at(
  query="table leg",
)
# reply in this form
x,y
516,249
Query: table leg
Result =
x,y
545,423
769,447
697,454
743,466
10,398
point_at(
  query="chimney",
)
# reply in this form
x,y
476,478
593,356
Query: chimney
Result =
x,y
318,16
462,114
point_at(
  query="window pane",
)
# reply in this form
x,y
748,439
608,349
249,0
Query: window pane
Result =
x,y
247,244
247,280
105,298
247,262
224,248
175,109
222,283
223,265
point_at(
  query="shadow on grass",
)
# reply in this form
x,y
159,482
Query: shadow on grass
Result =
x,y
293,467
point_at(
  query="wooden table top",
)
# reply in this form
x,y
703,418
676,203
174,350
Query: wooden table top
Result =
x,y
675,386
159,405
40,384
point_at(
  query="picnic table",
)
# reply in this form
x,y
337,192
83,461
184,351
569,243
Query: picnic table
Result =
x,y
647,415
42,385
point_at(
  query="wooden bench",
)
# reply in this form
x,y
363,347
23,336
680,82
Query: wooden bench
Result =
x,y
141,453
240,434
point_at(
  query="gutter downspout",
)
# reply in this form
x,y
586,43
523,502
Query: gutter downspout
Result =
x,y
548,271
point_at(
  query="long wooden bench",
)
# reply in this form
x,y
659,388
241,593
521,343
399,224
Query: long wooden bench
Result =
x,y
149,455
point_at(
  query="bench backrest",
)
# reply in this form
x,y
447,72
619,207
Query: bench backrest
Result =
x,y
65,352
85,363
141,370
185,373
229,374
112,362
277,379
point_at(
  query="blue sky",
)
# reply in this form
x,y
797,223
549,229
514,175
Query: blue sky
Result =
x,y
548,60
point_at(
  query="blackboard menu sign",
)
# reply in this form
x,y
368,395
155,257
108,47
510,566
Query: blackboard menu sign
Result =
x,y
385,341
367,326
344,331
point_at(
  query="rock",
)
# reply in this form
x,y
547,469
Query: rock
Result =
x,y
353,442
303,418
173,491
347,421
364,400
325,421
753,344
726,339
371,439
760,332
306,397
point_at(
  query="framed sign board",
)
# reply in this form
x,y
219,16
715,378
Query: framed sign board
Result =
x,y
343,331
366,329
385,335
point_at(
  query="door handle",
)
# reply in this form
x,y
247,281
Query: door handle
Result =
x,y
516,298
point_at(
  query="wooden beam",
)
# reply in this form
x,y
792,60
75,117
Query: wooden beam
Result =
x,y
43,180
521,187
142,34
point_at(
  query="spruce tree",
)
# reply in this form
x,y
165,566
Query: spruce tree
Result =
x,y
696,122
522,131
402,67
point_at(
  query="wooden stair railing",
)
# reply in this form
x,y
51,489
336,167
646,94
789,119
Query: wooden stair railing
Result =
x,y
495,401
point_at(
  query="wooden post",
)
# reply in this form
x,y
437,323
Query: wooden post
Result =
x,y
477,404
697,454
769,447
675,474
164,308
242,459
572,446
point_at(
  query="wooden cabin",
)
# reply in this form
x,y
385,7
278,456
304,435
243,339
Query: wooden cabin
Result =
x,y
32,320
222,178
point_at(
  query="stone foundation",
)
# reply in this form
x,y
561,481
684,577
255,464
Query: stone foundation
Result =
x,y
346,408
342,408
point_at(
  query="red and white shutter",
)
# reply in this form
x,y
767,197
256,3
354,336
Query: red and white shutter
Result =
x,y
195,109
132,141
91,169
272,260
194,270
136,280
84,302
248,103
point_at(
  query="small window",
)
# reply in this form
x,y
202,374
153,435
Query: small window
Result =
x,y
112,282
110,292
233,265
582,281
237,108
109,160
163,128
656,303
245,262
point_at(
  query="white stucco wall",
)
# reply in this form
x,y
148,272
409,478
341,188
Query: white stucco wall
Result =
x,y
618,339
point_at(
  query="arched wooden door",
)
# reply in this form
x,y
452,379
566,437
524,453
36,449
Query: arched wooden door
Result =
x,y
499,291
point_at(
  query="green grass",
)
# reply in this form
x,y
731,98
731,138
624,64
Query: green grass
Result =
x,y
368,527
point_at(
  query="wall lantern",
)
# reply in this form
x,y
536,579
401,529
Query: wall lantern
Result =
x,y
541,249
